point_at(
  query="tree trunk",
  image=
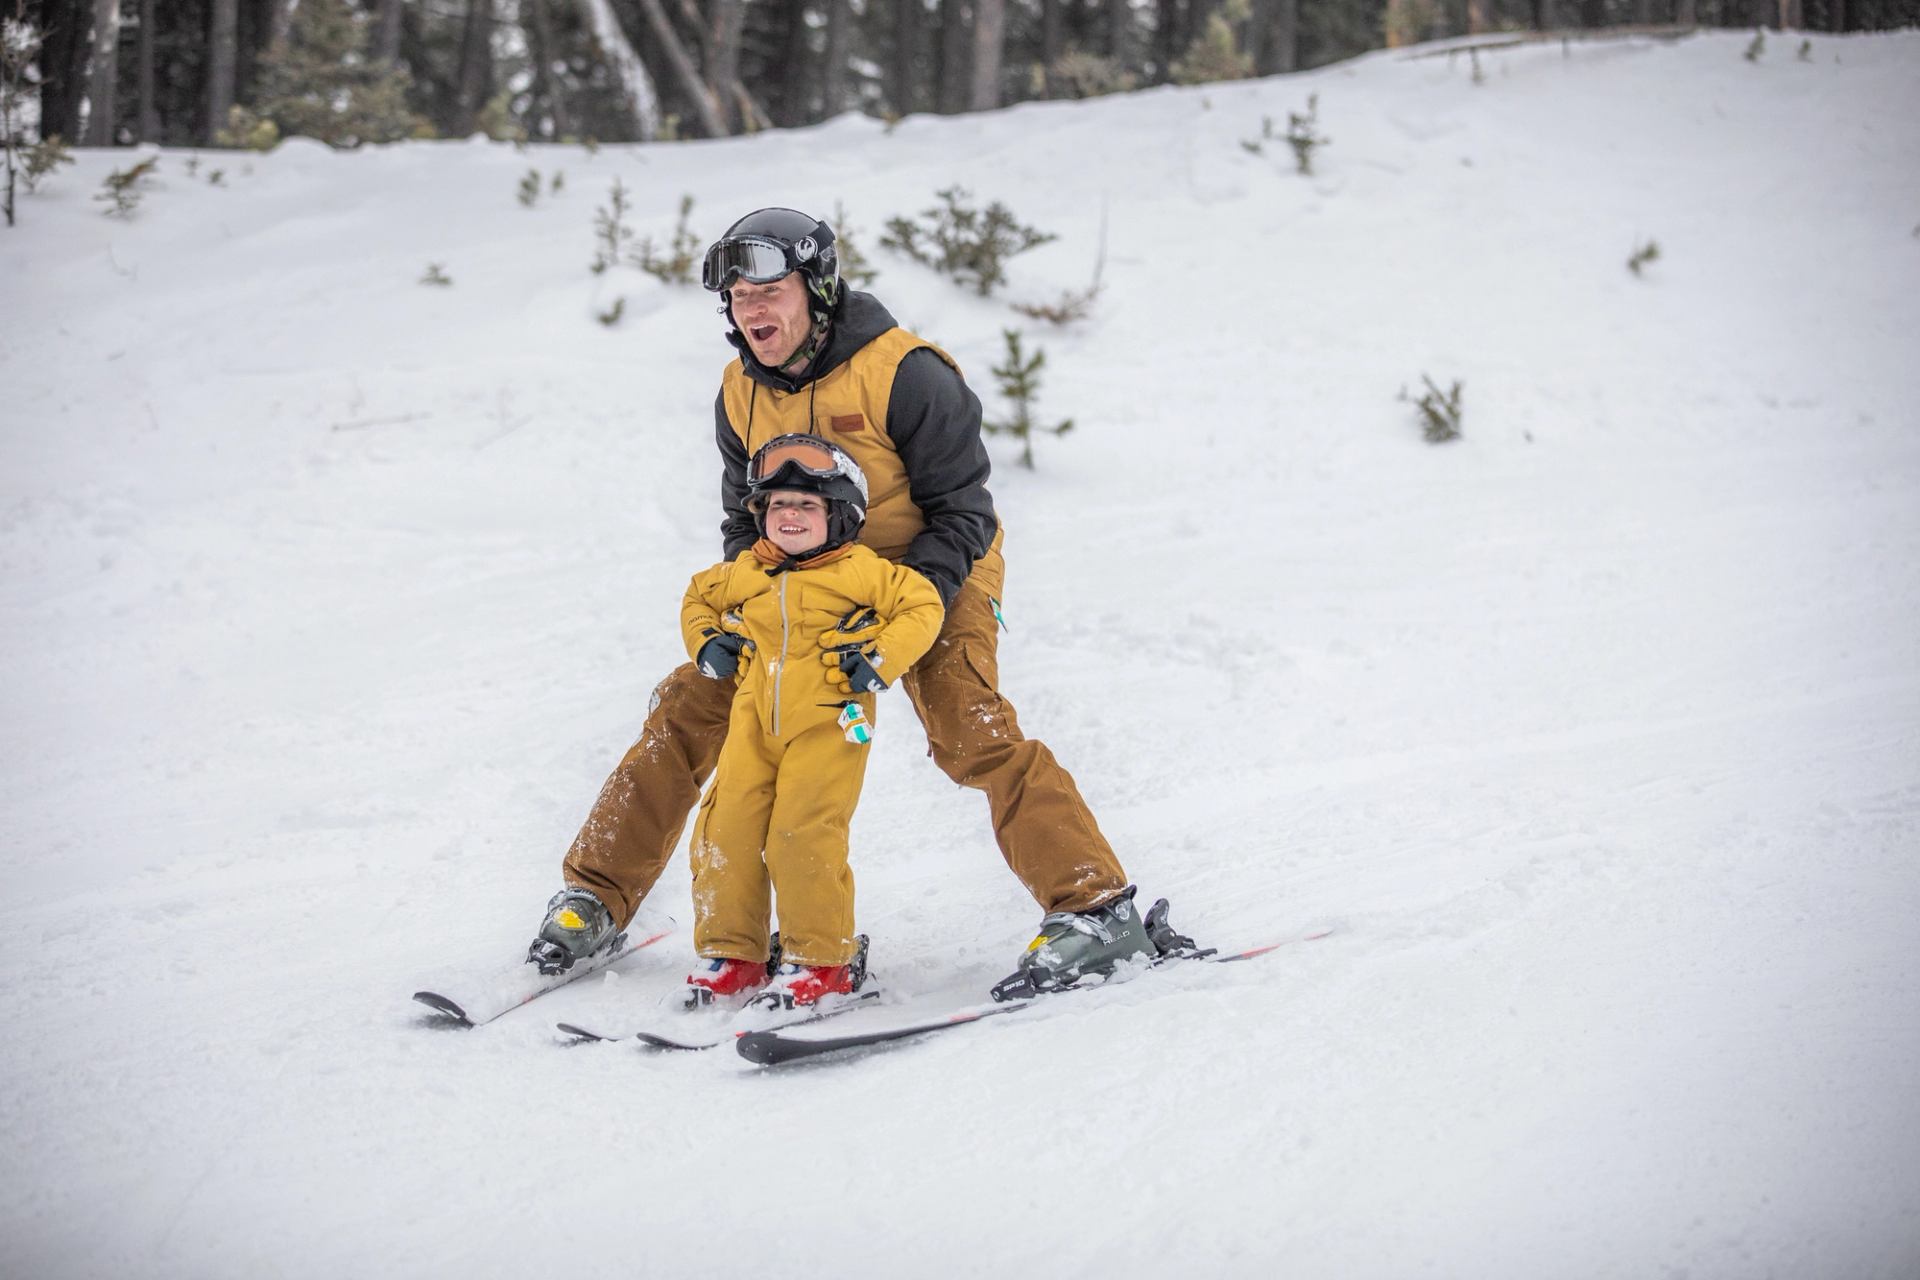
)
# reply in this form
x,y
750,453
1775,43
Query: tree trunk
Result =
x,y
223,48
386,29
539,29
642,101
476,66
1482,15
1686,13
953,57
796,66
904,74
989,43
147,121
833,80
280,22
103,81
1166,38
723,57
683,69
1053,42
1120,31
1276,43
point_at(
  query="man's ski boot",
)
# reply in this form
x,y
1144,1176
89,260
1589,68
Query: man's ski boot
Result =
x,y
578,925
1074,945
796,986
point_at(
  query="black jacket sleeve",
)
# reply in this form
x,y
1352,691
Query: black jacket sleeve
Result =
x,y
933,419
738,530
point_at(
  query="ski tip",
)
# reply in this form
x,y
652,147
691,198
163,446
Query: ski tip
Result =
x,y
579,1035
759,1047
443,1006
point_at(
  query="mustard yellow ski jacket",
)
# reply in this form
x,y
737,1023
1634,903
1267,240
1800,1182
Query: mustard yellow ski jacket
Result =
x,y
791,618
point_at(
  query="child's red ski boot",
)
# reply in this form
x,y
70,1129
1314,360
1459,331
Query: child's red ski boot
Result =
x,y
725,982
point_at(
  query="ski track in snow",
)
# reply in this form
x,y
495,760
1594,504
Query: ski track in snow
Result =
x,y
330,599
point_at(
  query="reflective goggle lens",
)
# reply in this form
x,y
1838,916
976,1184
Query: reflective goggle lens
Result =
x,y
814,459
751,260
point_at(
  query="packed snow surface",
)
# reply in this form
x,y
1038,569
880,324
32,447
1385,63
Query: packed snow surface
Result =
x,y
330,598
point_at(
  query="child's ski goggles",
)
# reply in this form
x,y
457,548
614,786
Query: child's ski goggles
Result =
x,y
808,456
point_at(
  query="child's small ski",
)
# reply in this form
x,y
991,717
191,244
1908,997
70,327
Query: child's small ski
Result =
x,y
696,1030
773,1046
473,1000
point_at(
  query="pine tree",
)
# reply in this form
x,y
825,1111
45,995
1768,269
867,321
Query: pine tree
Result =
x,y
1019,378
321,83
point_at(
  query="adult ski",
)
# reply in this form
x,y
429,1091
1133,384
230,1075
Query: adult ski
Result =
x,y
475,1000
778,1045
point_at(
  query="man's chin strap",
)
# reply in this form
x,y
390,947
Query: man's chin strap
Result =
x,y
816,340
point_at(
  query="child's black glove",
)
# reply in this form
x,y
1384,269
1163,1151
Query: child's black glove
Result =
x,y
856,671
720,655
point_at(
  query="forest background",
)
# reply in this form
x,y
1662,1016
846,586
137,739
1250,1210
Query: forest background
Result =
x,y
248,72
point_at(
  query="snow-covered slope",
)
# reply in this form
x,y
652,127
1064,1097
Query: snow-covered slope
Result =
x,y
330,598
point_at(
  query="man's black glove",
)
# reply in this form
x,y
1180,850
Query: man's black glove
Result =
x,y
720,655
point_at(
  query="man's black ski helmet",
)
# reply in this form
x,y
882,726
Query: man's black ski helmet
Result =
x,y
768,244
810,465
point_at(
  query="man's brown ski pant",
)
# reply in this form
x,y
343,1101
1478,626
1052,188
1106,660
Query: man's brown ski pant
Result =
x,y
1044,829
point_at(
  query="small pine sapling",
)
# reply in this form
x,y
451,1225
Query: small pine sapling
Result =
x,y
969,245
1303,135
529,193
1439,411
43,157
611,316
216,177
559,182
436,274
1258,146
1806,51
1643,255
1019,379
610,228
1073,304
19,45
855,267
121,189
682,253
1757,47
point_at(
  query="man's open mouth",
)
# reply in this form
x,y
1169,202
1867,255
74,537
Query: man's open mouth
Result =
x,y
761,332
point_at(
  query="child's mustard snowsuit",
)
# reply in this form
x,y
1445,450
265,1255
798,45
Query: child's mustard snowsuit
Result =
x,y
787,781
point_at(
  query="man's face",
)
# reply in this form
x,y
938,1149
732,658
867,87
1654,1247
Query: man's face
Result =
x,y
773,317
796,522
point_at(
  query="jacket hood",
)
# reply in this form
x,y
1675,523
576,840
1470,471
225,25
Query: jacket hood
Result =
x,y
858,320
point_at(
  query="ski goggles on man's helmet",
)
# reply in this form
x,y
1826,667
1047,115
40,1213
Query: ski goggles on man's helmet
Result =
x,y
793,460
759,259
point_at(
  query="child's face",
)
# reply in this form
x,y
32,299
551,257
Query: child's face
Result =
x,y
796,522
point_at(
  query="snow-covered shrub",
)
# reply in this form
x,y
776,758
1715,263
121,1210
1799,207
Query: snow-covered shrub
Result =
x,y
1439,411
1642,255
1077,74
436,275
529,192
1215,54
970,245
